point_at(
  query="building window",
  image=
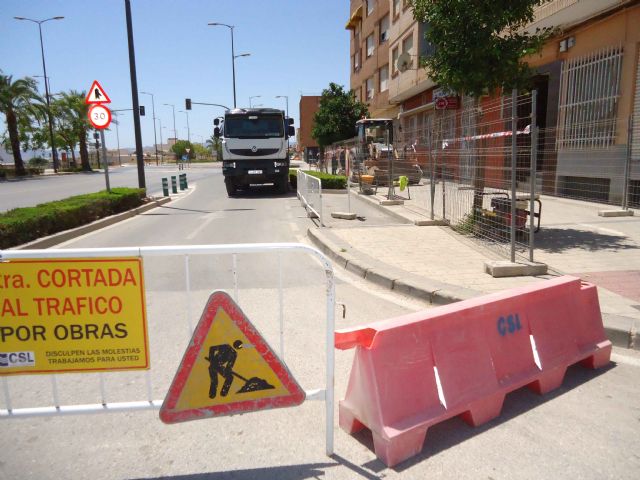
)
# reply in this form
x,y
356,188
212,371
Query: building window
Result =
x,y
369,88
396,9
384,29
384,78
589,95
356,61
394,61
407,44
370,6
370,45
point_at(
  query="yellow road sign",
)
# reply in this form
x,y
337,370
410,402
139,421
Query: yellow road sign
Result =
x,y
72,315
228,368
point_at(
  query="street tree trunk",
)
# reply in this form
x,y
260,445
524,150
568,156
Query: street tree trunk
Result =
x,y
84,153
14,137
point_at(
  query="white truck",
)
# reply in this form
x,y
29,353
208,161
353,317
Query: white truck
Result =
x,y
255,147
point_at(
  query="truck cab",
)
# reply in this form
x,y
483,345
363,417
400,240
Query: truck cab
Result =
x,y
255,148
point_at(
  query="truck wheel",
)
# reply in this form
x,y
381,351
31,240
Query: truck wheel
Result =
x,y
231,186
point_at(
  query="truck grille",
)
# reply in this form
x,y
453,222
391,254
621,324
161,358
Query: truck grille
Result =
x,y
246,152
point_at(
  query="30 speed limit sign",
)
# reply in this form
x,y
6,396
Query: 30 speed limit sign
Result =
x,y
99,116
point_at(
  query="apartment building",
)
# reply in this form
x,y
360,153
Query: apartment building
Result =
x,y
370,23
587,77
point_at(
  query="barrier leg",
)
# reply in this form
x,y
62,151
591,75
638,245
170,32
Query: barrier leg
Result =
x,y
347,421
548,380
401,447
600,358
484,410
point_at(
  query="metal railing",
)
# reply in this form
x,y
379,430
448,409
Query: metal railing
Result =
x,y
194,291
309,190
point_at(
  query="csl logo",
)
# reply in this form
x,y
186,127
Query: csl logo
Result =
x,y
508,324
17,359
254,149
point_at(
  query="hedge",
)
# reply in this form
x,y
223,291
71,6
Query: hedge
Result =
x,y
23,225
328,181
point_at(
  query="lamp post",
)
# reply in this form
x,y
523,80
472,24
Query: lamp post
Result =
x,y
161,144
54,153
116,113
188,129
153,111
255,96
175,133
233,56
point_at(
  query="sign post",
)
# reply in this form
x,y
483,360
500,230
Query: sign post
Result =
x,y
100,118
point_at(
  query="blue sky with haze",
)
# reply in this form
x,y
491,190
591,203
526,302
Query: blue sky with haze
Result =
x,y
296,47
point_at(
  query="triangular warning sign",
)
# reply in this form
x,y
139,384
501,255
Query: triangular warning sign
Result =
x,y
97,94
228,368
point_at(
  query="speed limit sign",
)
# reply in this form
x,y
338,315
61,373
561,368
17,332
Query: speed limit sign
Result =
x,y
99,116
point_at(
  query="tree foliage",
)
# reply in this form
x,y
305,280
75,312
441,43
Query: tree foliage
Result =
x,y
336,118
214,144
180,149
22,107
480,44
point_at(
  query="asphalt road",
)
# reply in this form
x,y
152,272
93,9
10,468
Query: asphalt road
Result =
x,y
28,192
586,429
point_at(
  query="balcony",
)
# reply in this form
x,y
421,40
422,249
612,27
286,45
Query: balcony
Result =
x,y
566,13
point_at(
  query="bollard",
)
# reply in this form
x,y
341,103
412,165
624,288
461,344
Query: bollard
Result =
x,y
165,187
181,181
174,187
186,184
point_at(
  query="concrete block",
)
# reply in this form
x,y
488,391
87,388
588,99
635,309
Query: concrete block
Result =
x,y
344,215
386,203
505,268
429,223
379,278
615,213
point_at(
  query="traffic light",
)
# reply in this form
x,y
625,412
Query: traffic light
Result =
x,y
142,110
187,103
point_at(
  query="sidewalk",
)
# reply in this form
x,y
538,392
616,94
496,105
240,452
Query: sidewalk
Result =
x,y
436,264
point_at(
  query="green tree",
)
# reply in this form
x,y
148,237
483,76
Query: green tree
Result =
x,y
337,115
180,149
480,44
21,105
72,119
215,146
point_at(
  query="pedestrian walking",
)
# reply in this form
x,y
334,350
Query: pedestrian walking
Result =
x,y
334,162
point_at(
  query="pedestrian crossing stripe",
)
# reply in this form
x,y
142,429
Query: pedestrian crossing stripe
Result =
x,y
228,368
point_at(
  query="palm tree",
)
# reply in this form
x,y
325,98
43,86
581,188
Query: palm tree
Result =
x,y
214,144
21,105
74,114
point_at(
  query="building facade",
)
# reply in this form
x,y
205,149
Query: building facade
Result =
x,y
309,105
370,23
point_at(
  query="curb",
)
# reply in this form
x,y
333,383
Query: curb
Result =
x,y
432,291
623,334
56,238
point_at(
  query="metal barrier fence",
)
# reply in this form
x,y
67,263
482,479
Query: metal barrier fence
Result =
x,y
182,295
309,190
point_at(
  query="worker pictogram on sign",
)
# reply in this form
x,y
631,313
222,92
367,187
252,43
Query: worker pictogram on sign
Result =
x,y
97,94
228,368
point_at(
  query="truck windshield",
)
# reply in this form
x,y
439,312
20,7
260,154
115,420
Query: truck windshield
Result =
x,y
253,126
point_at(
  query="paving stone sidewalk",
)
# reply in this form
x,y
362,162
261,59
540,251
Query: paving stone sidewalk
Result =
x,y
435,263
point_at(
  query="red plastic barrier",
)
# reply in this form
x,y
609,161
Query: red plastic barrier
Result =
x,y
417,370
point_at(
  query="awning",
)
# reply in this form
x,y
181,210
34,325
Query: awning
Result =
x,y
355,17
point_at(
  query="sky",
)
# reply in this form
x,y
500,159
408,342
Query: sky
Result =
x,y
297,47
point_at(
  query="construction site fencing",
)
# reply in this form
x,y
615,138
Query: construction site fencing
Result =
x,y
309,191
260,278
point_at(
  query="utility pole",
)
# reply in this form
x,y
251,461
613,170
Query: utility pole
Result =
x,y
134,96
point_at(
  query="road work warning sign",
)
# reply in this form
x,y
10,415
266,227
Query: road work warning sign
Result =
x,y
72,315
228,368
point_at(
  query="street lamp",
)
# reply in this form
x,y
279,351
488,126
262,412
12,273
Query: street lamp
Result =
x,y
255,96
117,121
188,129
161,144
153,110
54,153
175,133
233,56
